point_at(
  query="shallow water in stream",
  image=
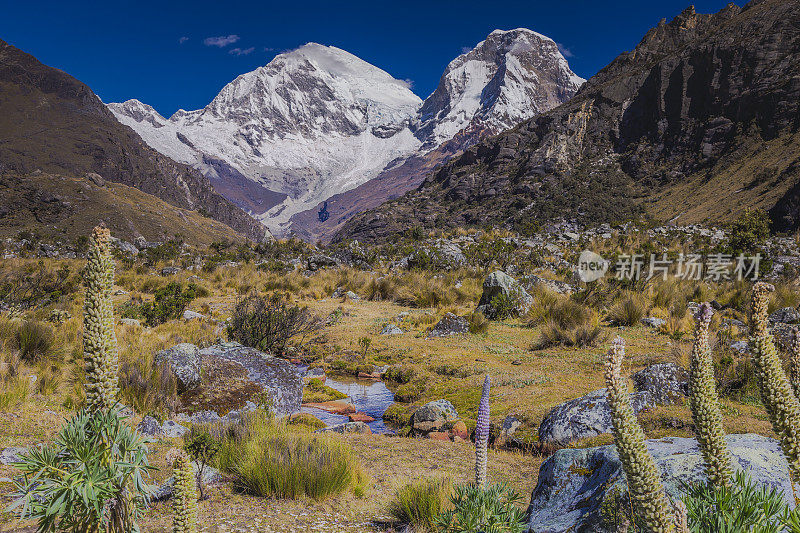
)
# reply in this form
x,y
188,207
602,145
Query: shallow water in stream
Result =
x,y
368,396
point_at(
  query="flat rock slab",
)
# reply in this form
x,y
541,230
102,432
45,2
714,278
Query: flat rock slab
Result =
x,y
574,483
283,380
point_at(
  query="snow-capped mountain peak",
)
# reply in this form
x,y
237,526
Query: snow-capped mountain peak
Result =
x,y
510,76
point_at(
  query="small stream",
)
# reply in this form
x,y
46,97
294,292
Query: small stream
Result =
x,y
368,396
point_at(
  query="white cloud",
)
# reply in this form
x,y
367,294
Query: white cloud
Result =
x,y
566,52
183,39
409,83
222,41
241,51
466,49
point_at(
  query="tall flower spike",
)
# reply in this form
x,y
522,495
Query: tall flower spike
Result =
x,y
794,361
704,403
641,472
777,395
184,502
482,436
99,338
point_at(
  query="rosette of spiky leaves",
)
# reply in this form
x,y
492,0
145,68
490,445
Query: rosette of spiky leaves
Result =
x,y
99,338
184,500
77,484
704,403
482,436
491,510
777,395
644,483
794,360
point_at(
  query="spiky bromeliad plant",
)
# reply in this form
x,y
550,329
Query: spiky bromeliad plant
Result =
x,y
90,478
99,338
644,483
482,436
704,403
184,502
794,360
777,395
476,507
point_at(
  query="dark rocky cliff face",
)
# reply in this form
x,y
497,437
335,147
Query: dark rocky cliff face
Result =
x,y
696,99
53,122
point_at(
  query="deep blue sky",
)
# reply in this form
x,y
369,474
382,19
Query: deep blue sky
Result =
x,y
132,49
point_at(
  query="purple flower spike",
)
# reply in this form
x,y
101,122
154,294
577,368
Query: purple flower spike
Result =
x,y
704,313
482,424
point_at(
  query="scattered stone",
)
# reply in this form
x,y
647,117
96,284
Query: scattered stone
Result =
x,y
172,429
130,322
316,262
184,361
740,346
360,417
653,322
149,426
501,283
348,427
126,247
459,431
667,383
575,484
787,315
432,417
353,297
337,407
192,315
450,324
12,454
507,429
391,329
96,178
315,373
587,416
169,271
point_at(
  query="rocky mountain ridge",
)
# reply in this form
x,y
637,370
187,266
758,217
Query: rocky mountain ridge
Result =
x,y
697,122
51,122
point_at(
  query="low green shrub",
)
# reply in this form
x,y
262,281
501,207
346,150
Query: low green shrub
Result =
x,y
170,303
420,502
478,323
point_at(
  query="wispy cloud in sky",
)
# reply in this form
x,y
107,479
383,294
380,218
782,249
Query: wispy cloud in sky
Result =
x,y
222,41
183,39
241,51
566,52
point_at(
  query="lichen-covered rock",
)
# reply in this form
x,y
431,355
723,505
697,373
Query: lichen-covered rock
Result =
x,y
560,287
211,476
316,262
149,426
584,417
283,380
787,315
12,454
668,383
432,417
450,324
391,329
575,485
184,362
498,283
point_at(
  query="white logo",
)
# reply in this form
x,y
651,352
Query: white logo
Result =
x,y
591,266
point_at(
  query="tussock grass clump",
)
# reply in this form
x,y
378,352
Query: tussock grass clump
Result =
x,y
34,340
478,323
267,459
566,323
14,391
420,502
629,310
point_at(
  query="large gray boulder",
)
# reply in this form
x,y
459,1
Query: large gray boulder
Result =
x,y
575,484
501,283
668,383
584,417
432,417
184,362
283,380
